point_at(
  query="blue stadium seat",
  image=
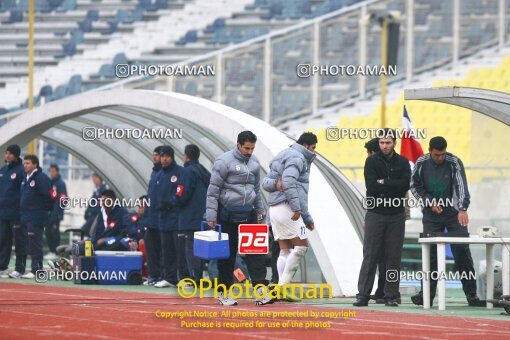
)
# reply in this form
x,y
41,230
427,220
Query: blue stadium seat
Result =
x,y
67,5
85,25
92,15
120,58
60,92
46,92
15,15
217,24
112,28
68,50
74,85
7,5
189,37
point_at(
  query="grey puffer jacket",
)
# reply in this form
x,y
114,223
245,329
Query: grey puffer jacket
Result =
x,y
235,180
292,165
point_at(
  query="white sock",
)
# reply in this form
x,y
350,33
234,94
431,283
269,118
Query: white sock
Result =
x,y
282,259
292,264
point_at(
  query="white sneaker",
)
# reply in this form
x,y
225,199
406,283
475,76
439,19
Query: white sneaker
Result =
x,y
28,276
15,275
266,300
226,301
164,284
4,273
50,256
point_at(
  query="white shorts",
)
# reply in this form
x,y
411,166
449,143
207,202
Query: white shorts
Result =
x,y
284,228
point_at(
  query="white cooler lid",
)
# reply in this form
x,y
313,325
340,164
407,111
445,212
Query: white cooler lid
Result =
x,y
117,253
209,235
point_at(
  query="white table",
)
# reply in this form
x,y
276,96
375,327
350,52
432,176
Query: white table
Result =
x,y
441,243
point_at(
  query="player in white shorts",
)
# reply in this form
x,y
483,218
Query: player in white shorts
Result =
x,y
284,227
287,184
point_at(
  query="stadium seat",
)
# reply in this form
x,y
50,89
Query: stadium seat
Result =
x,y
15,15
67,5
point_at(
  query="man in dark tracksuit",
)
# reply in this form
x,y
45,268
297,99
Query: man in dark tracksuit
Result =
x,y
92,211
387,177
234,195
191,196
110,224
166,188
57,213
11,176
152,235
439,177
137,223
35,204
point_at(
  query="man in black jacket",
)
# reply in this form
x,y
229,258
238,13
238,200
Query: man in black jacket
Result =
x,y
439,178
11,176
387,177
191,196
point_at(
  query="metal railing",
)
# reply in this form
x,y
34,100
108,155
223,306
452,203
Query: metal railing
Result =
x,y
259,76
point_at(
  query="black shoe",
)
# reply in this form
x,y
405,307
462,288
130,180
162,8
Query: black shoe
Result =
x,y
380,301
361,302
391,303
418,299
376,297
399,300
474,301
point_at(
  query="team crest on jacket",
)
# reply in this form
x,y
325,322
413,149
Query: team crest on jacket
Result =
x,y
13,176
238,168
173,179
32,183
112,224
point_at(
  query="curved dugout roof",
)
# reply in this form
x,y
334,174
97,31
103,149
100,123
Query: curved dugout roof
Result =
x,y
126,163
494,104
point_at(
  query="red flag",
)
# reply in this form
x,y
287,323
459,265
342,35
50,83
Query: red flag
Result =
x,y
410,148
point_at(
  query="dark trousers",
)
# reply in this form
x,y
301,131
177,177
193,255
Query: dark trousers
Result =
x,y
182,264
53,236
195,265
169,256
381,280
461,255
256,263
383,235
8,231
275,253
35,244
152,240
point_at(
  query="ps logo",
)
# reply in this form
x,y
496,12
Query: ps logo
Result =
x,y
253,239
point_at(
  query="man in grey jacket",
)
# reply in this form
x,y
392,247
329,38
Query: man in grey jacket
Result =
x,y
439,179
234,198
287,184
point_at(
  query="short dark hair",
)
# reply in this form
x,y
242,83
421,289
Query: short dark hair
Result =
x,y
246,136
109,193
438,143
307,138
95,174
54,166
373,145
167,150
192,151
157,149
32,158
389,133
143,199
